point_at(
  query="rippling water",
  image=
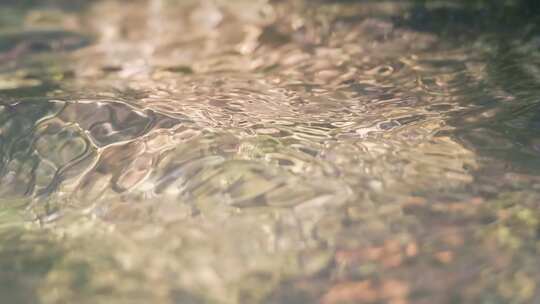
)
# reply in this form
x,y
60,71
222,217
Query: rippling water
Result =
x,y
243,151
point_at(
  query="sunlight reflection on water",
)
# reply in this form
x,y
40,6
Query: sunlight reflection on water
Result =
x,y
265,152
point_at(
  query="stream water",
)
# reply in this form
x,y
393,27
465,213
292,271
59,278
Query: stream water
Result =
x,y
249,151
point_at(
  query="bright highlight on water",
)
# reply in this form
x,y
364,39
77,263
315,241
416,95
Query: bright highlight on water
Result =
x,y
269,151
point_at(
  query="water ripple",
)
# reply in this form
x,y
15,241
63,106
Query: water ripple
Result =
x,y
265,152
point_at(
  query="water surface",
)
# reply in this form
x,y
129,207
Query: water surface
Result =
x,y
242,151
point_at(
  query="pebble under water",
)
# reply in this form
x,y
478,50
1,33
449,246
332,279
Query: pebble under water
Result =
x,y
243,151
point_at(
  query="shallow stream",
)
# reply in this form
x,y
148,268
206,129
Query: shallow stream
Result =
x,y
251,151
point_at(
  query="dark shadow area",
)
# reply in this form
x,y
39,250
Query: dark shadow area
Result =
x,y
25,260
69,5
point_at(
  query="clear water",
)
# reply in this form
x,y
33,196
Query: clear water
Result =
x,y
243,151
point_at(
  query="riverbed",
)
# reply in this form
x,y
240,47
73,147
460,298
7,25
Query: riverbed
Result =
x,y
241,151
